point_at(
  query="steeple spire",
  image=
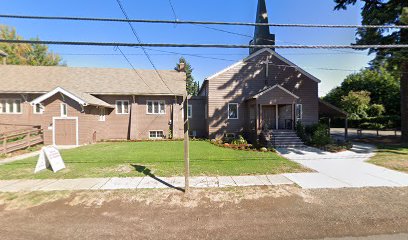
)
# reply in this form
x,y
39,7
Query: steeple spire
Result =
x,y
262,35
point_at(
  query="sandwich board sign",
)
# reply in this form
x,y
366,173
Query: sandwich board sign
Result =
x,y
49,158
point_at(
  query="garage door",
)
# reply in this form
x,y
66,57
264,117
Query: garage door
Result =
x,y
65,131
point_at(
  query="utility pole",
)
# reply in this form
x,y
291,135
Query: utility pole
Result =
x,y
404,101
404,80
186,148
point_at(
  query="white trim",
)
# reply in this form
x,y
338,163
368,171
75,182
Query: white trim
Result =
x,y
65,118
55,91
123,107
42,108
301,112
225,70
159,102
229,111
102,114
280,57
14,106
62,108
273,87
156,134
190,114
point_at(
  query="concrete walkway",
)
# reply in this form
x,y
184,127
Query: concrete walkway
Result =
x,y
147,182
341,170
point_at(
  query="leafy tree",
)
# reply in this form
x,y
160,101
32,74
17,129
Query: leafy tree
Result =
x,y
376,110
191,85
386,12
383,85
356,104
26,54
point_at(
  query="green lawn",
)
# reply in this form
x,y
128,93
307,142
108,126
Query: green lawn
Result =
x,y
162,158
391,156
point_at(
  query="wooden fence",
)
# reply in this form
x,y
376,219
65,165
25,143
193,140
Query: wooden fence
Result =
x,y
20,139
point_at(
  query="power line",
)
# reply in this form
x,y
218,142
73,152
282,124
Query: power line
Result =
x,y
203,22
173,10
184,45
134,69
140,42
201,54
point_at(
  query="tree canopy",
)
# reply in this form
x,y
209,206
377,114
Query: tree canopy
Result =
x,y
382,12
383,86
26,54
191,85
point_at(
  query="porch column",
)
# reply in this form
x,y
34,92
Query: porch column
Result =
x,y
256,116
277,116
293,116
346,129
260,117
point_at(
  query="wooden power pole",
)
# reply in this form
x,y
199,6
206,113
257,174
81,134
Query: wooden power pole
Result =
x,y
404,80
186,148
404,102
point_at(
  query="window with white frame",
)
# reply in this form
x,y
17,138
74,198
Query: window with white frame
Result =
x,y
298,112
102,113
155,107
10,106
190,111
64,110
156,135
38,108
122,107
232,110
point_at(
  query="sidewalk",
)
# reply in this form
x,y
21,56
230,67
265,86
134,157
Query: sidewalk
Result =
x,y
147,182
342,170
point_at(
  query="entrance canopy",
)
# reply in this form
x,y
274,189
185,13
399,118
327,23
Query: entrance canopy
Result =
x,y
275,95
82,98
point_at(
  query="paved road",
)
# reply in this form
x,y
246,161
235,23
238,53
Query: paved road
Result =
x,y
341,170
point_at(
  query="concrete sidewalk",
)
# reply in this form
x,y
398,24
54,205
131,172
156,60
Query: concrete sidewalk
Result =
x,y
342,170
147,182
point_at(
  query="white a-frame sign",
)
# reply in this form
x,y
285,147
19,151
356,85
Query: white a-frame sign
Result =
x,y
49,158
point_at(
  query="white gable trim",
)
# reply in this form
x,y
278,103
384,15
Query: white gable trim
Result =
x,y
273,87
225,70
271,52
55,91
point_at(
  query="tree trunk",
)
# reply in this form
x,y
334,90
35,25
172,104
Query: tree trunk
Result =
x,y
404,102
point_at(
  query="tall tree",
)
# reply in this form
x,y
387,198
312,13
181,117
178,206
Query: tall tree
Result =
x,y
26,54
385,12
383,85
191,85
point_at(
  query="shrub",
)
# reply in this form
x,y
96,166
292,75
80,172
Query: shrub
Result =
x,y
240,140
372,126
320,135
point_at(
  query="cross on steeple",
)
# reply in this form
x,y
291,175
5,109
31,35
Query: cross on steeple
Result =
x,y
262,35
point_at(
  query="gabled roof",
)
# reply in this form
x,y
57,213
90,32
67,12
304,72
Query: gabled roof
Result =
x,y
274,54
328,109
273,87
97,81
83,99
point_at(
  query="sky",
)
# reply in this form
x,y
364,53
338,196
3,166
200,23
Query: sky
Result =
x,y
205,62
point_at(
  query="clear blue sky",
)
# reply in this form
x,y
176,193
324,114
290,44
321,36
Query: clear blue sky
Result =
x,y
288,11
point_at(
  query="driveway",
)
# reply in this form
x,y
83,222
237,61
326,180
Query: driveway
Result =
x,y
342,170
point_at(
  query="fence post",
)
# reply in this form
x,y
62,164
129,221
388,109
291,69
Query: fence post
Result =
x,y
29,139
5,145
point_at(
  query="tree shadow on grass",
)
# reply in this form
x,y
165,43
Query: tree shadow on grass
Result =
x,y
146,171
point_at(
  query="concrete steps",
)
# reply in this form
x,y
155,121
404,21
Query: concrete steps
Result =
x,y
284,139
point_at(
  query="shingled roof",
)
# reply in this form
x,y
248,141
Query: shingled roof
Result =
x,y
110,81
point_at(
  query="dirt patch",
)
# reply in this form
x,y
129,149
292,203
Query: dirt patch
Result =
x,y
244,213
